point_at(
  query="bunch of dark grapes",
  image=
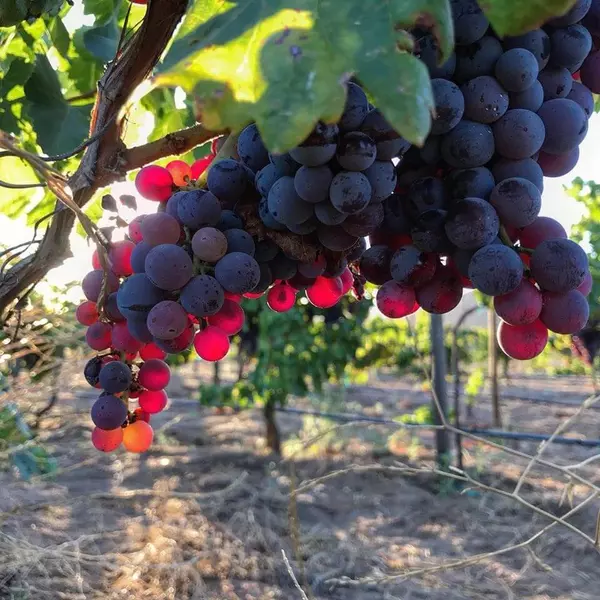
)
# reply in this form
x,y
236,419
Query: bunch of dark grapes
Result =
x,y
508,112
354,203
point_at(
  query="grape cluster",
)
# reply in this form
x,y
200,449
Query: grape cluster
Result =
x,y
355,203
508,112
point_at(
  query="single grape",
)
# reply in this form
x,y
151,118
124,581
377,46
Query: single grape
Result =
x,y
180,171
209,244
120,258
387,139
98,336
239,240
138,257
285,204
107,440
556,82
566,125
327,214
565,313
468,145
476,59
122,339
325,292
283,267
285,164
230,318
449,106
585,287
115,377
179,344
92,284
198,208
375,264
168,267
356,152
267,217
364,222
472,223
411,267
581,94
137,296
517,201
281,297
590,72
518,134
202,296
427,50
154,183
111,308
318,148
577,12
559,265
350,192
137,437
382,177
86,313
108,412
570,47
429,233
521,306
211,343
496,270
228,181
314,268
442,293
557,165
355,109
542,229
335,238
477,182
160,228
167,320
530,99
200,165
305,228
229,220
150,351
396,301
536,41
522,342
426,193
266,250
153,401
516,70
485,99
312,183
525,168
251,150
470,24
237,273
139,329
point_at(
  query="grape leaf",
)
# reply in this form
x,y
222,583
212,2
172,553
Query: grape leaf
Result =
x,y
101,9
59,35
59,126
514,17
283,63
101,42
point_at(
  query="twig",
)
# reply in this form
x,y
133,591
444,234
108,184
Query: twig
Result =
x,y
21,186
291,574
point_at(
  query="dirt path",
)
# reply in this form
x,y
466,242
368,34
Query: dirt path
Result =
x,y
205,514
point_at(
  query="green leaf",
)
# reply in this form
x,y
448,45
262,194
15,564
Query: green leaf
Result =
x,y
101,9
101,42
59,35
514,17
283,63
59,126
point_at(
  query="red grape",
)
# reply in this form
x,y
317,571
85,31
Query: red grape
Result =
x,y
154,183
98,336
180,171
521,306
586,285
230,318
325,292
135,229
179,344
141,415
522,342
150,351
396,301
199,166
211,343
107,440
86,313
122,339
442,293
96,260
137,437
153,401
120,257
281,297
542,229
565,313
235,297
347,280
253,295
154,374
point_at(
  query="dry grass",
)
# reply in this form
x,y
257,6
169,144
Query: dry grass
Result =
x,y
206,515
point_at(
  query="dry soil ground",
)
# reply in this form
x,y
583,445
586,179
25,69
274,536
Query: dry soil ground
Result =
x,y
206,513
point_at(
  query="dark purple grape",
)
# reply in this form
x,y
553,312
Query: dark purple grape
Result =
x,y
375,264
327,214
251,150
137,296
202,296
335,238
355,109
307,227
582,95
449,106
530,99
266,250
198,208
364,222
565,123
387,139
442,293
536,41
239,240
318,148
577,12
472,223
168,267
517,201
468,145
476,59
556,82
138,328
470,24
167,320
382,177
356,151
427,50
516,70
412,267
138,256
526,168
395,218
112,308
312,183
267,218
477,182
495,270
431,153
559,265
285,204
570,47
265,280
350,192
485,99
283,267
237,272
429,233
428,193
115,377
557,165
518,134
228,181
92,284
109,412
229,220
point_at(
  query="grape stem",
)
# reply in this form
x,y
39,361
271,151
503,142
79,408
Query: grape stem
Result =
x,y
503,235
523,250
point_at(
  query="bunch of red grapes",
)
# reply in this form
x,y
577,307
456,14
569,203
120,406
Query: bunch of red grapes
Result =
x,y
354,203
